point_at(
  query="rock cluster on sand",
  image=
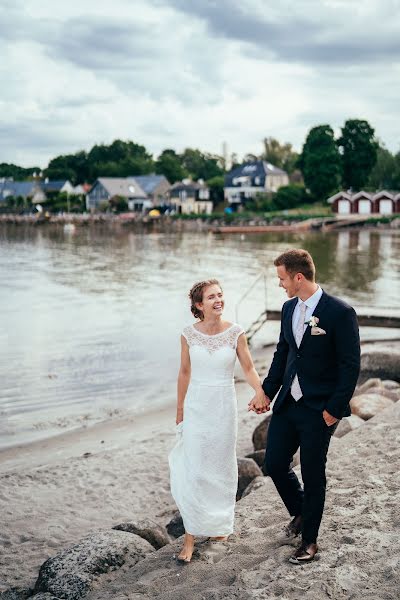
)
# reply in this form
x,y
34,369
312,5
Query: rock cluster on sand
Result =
x,y
69,574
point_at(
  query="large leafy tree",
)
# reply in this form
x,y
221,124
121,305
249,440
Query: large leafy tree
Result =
x,y
359,152
320,162
74,167
201,165
281,155
119,159
383,172
17,173
169,164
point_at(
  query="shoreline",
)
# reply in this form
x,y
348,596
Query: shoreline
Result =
x,y
100,435
229,225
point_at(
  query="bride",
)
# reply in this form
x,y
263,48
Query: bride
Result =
x,y
203,463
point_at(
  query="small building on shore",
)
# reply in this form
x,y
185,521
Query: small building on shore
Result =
x,y
365,203
156,187
252,178
190,197
105,189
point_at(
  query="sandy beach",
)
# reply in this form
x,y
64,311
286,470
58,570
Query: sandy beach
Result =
x,y
56,491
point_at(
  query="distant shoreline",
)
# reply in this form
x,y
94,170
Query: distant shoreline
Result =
x,y
171,224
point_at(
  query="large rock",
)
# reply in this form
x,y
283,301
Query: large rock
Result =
x,y
175,526
368,405
389,384
69,575
254,485
393,395
44,596
16,594
380,361
260,434
348,424
367,385
248,470
147,529
258,457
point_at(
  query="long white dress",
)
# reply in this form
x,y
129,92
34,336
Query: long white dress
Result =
x,y
203,462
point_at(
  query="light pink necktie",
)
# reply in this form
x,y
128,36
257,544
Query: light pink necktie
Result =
x,y
295,390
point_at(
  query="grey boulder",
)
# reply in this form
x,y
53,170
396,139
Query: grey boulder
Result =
x,y
248,470
175,526
69,574
348,424
380,361
147,529
260,434
16,594
254,485
368,405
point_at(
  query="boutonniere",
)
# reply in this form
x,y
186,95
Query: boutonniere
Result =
x,y
313,322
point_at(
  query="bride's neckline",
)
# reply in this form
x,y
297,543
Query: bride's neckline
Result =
x,y
213,334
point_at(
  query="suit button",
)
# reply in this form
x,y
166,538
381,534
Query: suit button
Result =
x,y
298,355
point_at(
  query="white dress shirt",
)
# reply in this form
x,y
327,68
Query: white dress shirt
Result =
x,y
311,304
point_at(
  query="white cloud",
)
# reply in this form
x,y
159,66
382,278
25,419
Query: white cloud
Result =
x,y
177,73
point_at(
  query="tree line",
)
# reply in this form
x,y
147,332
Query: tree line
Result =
x,y
353,160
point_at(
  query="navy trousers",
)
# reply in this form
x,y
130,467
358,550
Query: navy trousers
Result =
x,y
297,425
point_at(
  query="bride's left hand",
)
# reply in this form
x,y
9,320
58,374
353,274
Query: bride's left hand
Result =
x,y
259,404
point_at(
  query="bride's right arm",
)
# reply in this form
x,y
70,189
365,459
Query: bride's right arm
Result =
x,y
183,379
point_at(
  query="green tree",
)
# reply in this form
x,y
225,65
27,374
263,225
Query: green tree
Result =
x,y
74,167
201,165
119,159
320,162
169,164
281,155
358,148
290,196
17,173
383,172
396,172
216,185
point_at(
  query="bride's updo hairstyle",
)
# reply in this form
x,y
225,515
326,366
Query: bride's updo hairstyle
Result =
x,y
196,296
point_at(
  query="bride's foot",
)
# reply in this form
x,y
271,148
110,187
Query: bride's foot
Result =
x,y
187,550
219,538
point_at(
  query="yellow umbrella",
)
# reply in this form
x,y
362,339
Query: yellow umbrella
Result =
x,y
154,213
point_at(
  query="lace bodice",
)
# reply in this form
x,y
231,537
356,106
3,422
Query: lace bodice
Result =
x,y
212,357
228,338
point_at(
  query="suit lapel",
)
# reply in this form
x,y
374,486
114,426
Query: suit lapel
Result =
x,y
289,321
317,313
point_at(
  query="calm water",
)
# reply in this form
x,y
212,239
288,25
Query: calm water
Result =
x,y
90,321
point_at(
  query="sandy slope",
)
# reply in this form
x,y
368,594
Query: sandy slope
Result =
x,y
359,538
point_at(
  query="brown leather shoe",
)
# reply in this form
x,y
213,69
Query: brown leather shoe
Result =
x,y
304,553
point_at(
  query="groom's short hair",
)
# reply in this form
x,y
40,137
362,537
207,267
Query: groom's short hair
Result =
x,y
297,261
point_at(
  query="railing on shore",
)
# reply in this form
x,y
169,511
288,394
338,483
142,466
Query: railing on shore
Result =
x,y
364,320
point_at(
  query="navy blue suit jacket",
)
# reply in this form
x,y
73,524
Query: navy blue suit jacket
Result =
x,y
327,366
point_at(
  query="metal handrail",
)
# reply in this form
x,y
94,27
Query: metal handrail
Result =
x,y
261,275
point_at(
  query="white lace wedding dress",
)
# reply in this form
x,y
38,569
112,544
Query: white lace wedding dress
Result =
x,y
203,461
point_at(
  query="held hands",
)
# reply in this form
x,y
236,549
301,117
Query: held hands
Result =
x,y
329,420
260,403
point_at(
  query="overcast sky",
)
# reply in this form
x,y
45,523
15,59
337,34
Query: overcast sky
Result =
x,y
193,73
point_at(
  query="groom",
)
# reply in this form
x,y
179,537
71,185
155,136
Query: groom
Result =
x,y
315,369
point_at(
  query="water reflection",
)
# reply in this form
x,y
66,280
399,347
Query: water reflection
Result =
x,y
91,319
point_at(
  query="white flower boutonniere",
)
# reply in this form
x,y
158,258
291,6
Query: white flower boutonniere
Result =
x,y
313,322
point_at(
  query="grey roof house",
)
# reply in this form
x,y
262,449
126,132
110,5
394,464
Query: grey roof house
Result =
x,y
106,188
155,186
252,178
35,190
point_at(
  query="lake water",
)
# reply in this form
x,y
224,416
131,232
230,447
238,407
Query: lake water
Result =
x,y
90,320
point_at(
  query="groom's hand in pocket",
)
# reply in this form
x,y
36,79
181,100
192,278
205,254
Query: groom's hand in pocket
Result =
x,y
259,404
329,419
